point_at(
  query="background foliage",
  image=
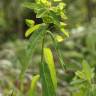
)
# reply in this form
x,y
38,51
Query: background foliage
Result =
x,y
81,45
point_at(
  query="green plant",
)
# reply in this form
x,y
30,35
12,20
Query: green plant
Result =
x,y
51,12
83,81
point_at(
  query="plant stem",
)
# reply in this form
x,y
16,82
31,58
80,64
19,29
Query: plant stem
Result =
x,y
42,55
43,42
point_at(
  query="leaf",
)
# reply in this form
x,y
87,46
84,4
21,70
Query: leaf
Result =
x,y
33,6
54,17
30,23
35,38
29,5
80,75
33,86
41,13
46,80
66,33
63,16
61,6
87,70
62,24
60,56
77,81
59,38
86,73
32,29
49,60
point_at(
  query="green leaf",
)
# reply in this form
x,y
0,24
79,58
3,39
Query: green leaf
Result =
x,y
35,38
49,60
30,23
61,6
62,24
87,70
29,5
59,38
32,29
34,6
46,80
77,81
60,56
33,86
41,13
54,17
66,33
80,75
86,73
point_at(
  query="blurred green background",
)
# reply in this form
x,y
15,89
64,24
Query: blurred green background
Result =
x,y
81,25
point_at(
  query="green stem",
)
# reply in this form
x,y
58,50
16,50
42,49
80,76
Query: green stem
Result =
x,y
43,42
42,55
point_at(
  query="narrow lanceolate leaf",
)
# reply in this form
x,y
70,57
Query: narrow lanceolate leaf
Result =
x,y
49,60
32,91
32,29
35,39
46,80
60,56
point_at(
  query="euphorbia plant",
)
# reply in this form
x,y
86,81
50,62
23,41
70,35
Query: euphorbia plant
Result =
x,y
52,13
